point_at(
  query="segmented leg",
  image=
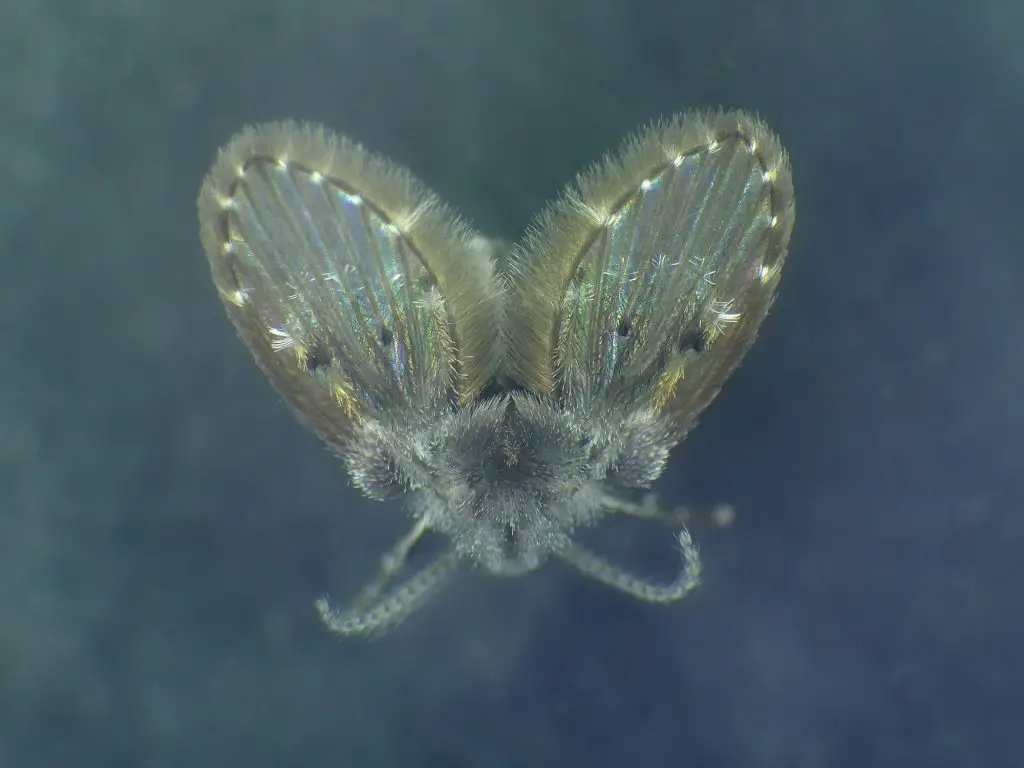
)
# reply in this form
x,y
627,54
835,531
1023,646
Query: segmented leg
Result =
x,y
650,592
392,562
393,607
370,611
721,515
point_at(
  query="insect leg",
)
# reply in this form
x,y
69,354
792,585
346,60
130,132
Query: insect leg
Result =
x,y
721,515
392,562
650,592
389,610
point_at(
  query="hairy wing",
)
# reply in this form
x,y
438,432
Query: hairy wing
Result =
x,y
647,282
354,288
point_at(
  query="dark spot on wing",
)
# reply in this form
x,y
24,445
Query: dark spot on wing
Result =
x,y
317,358
695,339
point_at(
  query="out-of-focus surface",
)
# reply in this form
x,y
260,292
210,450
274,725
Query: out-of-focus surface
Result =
x,y
165,525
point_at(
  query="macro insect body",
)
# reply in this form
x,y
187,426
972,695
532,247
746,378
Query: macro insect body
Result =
x,y
506,393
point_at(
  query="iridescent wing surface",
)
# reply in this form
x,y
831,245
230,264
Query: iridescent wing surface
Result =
x,y
647,282
355,289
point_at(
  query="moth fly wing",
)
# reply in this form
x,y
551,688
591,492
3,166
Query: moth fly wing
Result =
x,y
642,287
355,288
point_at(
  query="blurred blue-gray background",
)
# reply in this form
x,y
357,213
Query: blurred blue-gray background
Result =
x,y
165,524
